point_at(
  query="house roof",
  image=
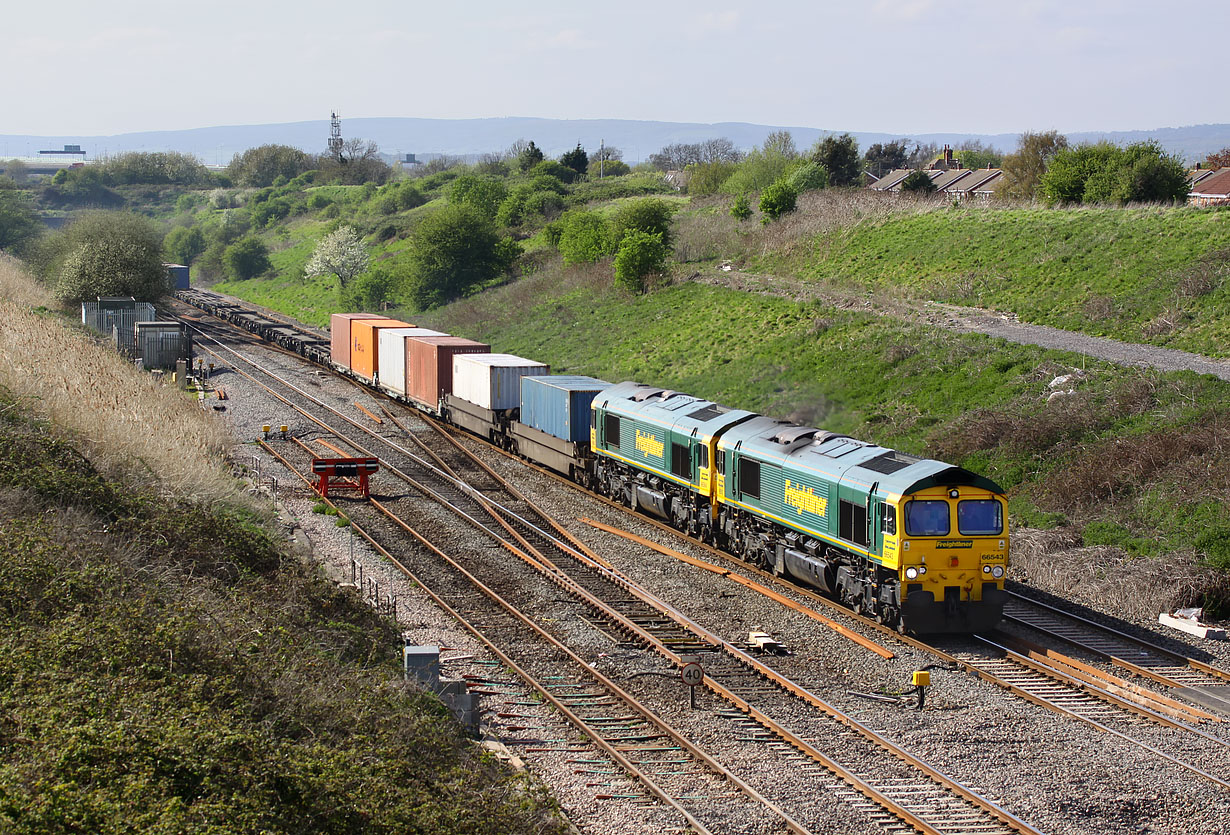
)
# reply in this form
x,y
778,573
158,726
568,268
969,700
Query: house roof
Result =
x,y
949,178
891,179
1195,175
1216,186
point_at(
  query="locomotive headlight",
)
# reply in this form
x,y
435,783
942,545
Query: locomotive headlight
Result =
x,y
997,571
911,573
986,569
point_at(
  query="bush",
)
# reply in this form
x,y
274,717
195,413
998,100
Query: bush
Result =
x,y
809,177
778,199
485,194
246,258
918,182
708,178
640,254
108,254
740,209
554,169
610,168
584,237
453,251
647,215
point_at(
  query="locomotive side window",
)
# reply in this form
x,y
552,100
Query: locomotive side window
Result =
x,y
749,477
721,461
980,517
681,461
704,456
612,431
852,522
927,518
888,522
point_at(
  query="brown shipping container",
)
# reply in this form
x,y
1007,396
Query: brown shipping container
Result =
x,y
364,348
429,365
339,335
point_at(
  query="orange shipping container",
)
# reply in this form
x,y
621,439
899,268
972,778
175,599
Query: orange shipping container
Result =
x,y
339,334
364,345
429,365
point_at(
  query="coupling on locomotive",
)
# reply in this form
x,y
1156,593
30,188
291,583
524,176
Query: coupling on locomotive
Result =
x,y
917,544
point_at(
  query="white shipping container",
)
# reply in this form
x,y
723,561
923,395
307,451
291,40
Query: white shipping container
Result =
x,y
391,355
493,381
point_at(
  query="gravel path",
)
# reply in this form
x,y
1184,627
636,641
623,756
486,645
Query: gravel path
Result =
x,y
976,320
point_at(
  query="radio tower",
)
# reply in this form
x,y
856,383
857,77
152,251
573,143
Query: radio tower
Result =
x,y
335,136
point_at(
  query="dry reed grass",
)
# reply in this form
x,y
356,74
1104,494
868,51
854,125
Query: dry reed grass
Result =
x,y
124,420
1107,579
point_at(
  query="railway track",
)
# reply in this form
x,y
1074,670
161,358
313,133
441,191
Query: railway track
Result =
x,y
878,771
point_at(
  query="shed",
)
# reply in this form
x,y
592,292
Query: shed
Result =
x,y
161,344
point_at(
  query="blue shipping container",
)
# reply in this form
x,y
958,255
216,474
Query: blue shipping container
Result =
x,y
559,404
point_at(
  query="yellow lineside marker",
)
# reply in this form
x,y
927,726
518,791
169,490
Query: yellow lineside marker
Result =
x,y
369,414
751,584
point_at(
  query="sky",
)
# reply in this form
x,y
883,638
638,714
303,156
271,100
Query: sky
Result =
x,y
80,67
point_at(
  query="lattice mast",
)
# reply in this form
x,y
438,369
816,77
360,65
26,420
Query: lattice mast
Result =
x,y
335,136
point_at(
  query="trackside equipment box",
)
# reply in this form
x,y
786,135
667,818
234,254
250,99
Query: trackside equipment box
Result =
x,y
559,404
493,381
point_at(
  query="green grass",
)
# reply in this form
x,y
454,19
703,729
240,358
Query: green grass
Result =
x,y
1124,273
1110,454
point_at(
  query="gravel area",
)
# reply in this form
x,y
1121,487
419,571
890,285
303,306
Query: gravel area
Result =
x,y
979,734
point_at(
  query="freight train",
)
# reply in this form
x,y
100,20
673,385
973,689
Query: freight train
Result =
x,y
917,544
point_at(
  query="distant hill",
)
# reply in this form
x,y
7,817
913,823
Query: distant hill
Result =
x,y
637,139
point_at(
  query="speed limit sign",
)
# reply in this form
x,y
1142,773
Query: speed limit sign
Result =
x,y
692,674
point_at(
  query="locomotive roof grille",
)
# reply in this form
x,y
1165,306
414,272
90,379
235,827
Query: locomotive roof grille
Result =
x,y
708,412
889,462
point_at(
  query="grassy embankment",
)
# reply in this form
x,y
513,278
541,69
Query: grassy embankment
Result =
x,y
1135,460
1156,275
165,666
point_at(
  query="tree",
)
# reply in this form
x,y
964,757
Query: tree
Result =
x,y
156,168
259,167
108,254
360,163
882,158
551,168
839,156
483,193
679,156
584,237
640,254
1217,160
918,181
781,142
1023,170
453,250
809,176
607,153
530,156
646,215
19,223
247,258
576,159
340,253
608,168
975,154
709,178
1106,173
17,171
922,155
183,245
778,199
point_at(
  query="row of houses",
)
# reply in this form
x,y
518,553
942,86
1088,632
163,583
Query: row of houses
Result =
x,y
1206,187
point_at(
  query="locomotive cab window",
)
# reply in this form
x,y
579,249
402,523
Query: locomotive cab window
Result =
x,y
704,456
612,431
721,461
852,523
980,517
681,461
927,518
749,477
888,521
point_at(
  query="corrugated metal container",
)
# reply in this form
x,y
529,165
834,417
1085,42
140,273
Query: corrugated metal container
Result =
x,y
365,347
161,344
339,335
179,276
493,381
391,352
559,404
429,365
